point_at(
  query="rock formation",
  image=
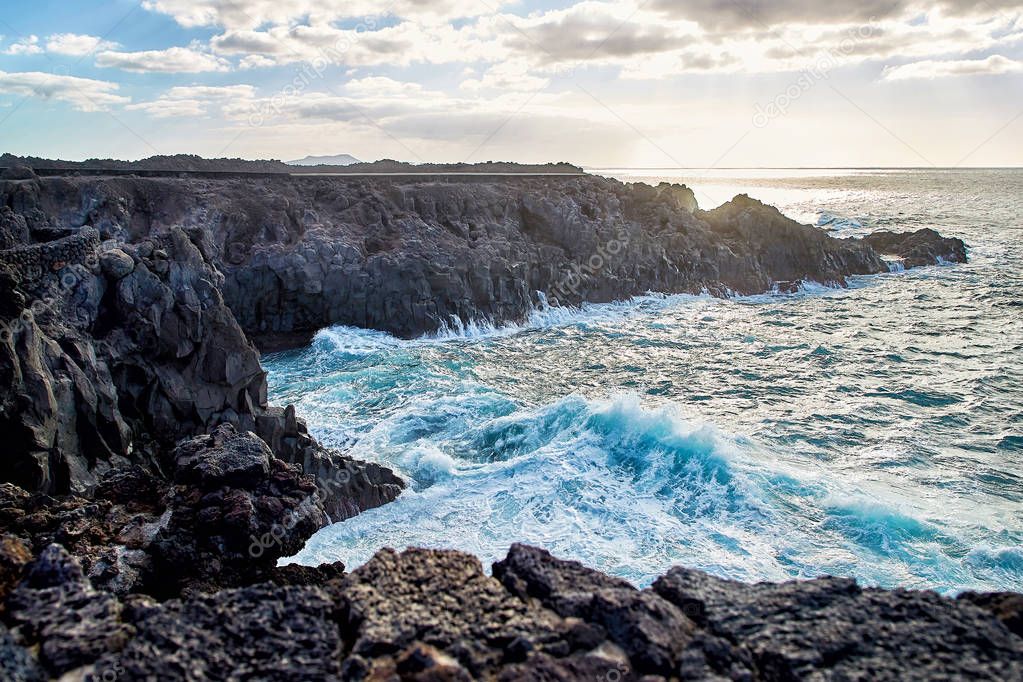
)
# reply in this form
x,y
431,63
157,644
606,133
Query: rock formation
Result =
x,y
435,615
409,256
148,490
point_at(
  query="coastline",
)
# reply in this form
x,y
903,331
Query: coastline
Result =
x,y
158,505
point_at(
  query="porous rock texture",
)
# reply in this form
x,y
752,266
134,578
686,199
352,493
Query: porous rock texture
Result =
x,y
429,615
229,513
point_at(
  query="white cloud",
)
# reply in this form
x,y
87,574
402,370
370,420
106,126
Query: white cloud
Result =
x,y
171,60
84,94
252,14
195,100
75,45
931,69
29,45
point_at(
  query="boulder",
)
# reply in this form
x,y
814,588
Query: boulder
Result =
x,y
916,249
234,510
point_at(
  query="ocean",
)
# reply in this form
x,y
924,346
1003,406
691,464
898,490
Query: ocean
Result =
x,y
873,432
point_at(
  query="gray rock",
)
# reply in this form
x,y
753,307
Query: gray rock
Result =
x,y
224,458
58,610
652,631
832,629
16,663
265,633
116,264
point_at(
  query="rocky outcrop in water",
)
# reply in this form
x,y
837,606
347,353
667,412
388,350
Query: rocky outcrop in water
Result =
x,y
409,256
435,615
923,247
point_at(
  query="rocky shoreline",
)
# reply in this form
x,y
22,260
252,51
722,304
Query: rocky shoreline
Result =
x,y
148,489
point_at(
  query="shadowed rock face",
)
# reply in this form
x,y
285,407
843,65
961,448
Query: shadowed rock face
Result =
x,y
409,256
112,352
923,247
435,615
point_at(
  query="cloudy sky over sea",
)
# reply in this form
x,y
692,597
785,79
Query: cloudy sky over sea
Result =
x,y
656,83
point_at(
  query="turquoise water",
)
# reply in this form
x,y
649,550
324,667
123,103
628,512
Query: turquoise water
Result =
x,y
874,432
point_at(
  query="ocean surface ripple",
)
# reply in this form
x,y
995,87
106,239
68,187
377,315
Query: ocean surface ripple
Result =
x,y
874,432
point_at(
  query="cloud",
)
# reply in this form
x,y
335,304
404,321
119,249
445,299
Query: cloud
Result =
x,y
84,94
930,69
253,14
75,45
192,101
25,46
592,31
401,45
745,14
171,60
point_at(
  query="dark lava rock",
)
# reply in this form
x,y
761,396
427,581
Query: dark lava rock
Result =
x,y
832,629
1007,607
311,576
225,458
257,633
434,615
410,256
56,609
18,173
652,631
923,247
235,510
110,356
442,600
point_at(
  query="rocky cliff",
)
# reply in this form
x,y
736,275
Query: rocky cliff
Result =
x,y
148,490
113,350
411,255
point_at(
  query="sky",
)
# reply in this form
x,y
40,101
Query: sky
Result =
x,y
655,83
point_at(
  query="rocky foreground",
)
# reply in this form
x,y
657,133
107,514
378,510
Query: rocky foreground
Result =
x,y
148,489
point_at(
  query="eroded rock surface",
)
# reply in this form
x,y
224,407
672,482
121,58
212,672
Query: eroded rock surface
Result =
x,y
435,615
409,256
112,352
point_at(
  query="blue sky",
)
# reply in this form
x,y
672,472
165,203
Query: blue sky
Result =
x,y
658,83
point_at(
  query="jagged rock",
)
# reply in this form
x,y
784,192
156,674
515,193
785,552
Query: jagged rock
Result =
x,y
443,600
224,459
107,536
57,609
410,256
831,628
923,247
265,633
114,357
234,511
649,629
296,574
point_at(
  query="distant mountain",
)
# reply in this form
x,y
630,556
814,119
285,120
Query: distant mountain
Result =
x,y
339,160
